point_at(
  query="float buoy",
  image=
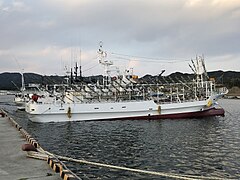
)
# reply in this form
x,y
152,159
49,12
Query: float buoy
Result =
x,y
28,147
69,114
209,103
2,114
159,109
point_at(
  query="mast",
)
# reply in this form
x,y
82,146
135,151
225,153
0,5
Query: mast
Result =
x,y
80,65
23,83
22,76
106,64
71,77
75,72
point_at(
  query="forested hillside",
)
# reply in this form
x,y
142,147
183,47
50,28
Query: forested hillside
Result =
x,y
12,81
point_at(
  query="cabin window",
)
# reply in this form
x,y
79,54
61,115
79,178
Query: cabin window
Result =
x,y
123,106
96,108
150,109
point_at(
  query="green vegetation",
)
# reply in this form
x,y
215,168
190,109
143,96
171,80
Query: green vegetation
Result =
x,y
10,81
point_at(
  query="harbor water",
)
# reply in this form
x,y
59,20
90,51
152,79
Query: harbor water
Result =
x,y
206,147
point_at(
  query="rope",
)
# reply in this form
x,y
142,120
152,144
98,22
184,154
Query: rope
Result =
x,y
37,155
44,156
169,175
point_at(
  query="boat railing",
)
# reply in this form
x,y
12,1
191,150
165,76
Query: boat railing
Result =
x,y
160,93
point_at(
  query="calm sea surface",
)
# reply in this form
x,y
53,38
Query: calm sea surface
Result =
x,y
208,146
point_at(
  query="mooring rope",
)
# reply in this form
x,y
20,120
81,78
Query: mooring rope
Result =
x,y
82,161
37,155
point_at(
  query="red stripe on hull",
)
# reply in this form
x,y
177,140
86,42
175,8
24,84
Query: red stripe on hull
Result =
x,y
199,114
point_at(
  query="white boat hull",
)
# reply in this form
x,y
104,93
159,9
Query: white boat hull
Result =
x,y
19,100
110,110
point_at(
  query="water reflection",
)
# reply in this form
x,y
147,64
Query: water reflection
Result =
x,y
208,147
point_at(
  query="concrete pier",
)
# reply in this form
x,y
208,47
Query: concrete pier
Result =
x,y
14,163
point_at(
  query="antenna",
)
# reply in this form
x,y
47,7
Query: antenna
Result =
x,y
100,44
75,72
80,64
194,66
204,67
71,78
106,63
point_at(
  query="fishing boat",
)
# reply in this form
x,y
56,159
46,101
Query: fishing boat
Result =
x,y
25,92
123,97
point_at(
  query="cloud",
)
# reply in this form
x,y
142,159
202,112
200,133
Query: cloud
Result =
x,y
48,30
13,6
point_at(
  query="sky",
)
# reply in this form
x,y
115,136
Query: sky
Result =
x,y
49,36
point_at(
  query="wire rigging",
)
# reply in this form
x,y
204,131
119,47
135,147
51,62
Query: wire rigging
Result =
x,y
90,68
149,59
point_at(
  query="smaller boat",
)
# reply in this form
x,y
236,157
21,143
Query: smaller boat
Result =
x,y
27,92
